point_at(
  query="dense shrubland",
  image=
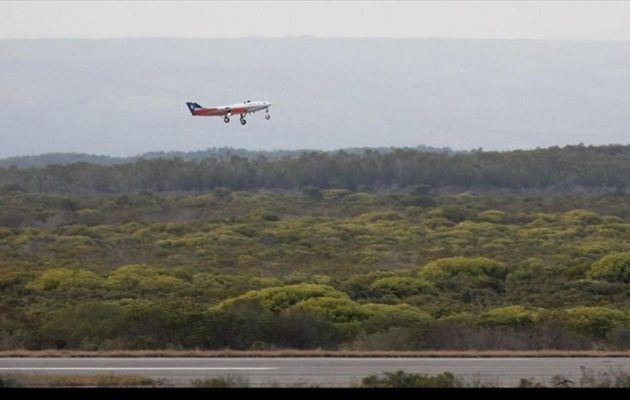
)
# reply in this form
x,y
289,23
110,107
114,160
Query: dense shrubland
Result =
x,y
314,268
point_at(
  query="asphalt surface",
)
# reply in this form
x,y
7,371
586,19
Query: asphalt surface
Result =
x,y
322,372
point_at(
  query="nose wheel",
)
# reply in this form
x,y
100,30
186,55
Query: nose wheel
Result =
x,y
226,119
267,117
243,121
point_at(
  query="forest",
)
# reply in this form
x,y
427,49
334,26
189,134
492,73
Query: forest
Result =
x,y
594,169
399,250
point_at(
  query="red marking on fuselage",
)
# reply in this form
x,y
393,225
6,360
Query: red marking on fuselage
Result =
x,y
215,112
209,112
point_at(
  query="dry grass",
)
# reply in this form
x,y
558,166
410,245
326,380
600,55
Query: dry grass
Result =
x,y
221,382
312,353
108,380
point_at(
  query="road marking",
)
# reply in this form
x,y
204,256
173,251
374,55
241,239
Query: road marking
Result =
x,y
135,368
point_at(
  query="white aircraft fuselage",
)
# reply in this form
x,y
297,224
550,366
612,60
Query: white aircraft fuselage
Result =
x,y
242,109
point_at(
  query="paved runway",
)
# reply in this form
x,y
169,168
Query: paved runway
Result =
x,y
324,372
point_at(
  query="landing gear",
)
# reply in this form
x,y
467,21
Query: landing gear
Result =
x,y
243,122
226,119
267,117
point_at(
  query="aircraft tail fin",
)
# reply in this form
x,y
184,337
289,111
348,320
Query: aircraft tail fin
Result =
x,y
192,107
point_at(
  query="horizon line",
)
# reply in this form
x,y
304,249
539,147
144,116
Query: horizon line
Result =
x,y
416,147
308,36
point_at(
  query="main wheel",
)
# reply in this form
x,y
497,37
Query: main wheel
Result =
x,y
267,116
226,119
243,122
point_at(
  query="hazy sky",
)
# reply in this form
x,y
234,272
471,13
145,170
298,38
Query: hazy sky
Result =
x,y
596,20
125,97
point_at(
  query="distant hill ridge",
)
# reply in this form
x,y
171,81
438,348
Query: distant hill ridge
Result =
x,y
44,160
571,169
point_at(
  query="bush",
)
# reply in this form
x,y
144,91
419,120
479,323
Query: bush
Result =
x,y
333,309
7,381
312,192
582,216
598,321
72,326
402,379
494,216
612,268
221,382
394,338
280,298
384,316
475,280
446,268
402,287
616,378
298,329
64,279
515,316
239,326
143,278
90,217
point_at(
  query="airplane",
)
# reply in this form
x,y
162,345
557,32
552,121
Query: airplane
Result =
x,y
244,108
